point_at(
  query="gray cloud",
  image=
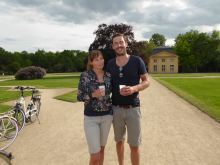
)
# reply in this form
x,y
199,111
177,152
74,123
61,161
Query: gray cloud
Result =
x,y
156,16
80,11
8,40
77,11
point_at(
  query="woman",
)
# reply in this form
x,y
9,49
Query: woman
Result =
x,y
94,90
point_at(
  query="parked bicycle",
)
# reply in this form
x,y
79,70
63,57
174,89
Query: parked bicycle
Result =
x,y
30,113
8,134
8,130
5,158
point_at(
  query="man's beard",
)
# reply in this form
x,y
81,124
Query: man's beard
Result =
x,y
121,54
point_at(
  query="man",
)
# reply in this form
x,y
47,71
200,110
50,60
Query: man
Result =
x,y
126,71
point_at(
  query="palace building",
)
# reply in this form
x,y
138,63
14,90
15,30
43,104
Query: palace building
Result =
x,y
163,60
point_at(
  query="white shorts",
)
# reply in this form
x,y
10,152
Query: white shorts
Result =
x,y
96,130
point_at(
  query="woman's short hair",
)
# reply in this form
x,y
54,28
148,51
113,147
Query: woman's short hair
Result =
x,y
92,55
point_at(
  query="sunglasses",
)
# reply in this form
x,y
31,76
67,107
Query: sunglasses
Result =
x,y
120,72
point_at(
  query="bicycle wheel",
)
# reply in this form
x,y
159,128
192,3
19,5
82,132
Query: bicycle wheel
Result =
x,y
35,110
19,115
5,159
8,131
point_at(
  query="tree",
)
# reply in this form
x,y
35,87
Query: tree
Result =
x,y
65,61
198,52
104,34
103,39
184,48
80,57
158,39
143,49
214,48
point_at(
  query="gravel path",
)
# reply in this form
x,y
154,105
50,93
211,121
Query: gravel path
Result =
x,y
174,133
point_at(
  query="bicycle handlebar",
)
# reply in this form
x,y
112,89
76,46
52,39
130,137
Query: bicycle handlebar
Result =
x,y
23,88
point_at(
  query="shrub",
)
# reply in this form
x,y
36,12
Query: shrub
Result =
x,y
30,72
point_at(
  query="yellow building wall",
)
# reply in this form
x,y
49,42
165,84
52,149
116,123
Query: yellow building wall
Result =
x,y
163,58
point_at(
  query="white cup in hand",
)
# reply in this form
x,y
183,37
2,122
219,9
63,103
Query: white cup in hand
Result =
x,y
121,86
102,88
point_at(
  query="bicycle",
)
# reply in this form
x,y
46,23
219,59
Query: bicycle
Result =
x,y
8,134
30,113
5,158
8,130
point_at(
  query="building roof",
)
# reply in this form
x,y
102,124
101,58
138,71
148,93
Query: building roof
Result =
x,y
159,49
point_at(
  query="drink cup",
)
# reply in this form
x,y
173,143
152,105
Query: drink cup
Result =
x,y
102,88
121,86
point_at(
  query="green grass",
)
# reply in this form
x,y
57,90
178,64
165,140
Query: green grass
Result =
x,y
63,74
70,97
6,95
4,108
6,77
47,82
4,88
185,75
201,92
56,80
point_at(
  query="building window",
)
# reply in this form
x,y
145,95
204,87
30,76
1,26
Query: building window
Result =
x,y
155,68
163,60
171,68
155,60
163,68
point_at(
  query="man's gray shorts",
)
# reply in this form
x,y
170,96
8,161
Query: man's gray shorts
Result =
x,y
127,118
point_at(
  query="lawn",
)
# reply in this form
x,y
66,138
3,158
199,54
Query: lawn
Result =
x,y
70,97
186,75
7,95
6,77
58,81
201,92
4,108
68,80
63,74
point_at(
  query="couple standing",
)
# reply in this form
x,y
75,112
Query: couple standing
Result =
x,y
122,79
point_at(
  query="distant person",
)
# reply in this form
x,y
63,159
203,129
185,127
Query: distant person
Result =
x,y
126,72
94,90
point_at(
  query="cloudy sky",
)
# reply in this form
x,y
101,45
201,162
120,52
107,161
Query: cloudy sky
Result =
x,y
55,25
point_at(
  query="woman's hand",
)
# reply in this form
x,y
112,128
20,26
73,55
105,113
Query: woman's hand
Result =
x,y
97,93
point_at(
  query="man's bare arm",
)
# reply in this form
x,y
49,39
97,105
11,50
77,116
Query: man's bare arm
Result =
x,y
143,84
129,90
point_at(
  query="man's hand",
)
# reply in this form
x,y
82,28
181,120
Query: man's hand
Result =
x,y
126,91
129,90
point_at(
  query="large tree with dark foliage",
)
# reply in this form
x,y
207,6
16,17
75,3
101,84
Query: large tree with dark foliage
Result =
x,y
158,39
103,40
104,34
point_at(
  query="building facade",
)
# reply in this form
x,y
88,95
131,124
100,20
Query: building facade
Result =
x,y
163,60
